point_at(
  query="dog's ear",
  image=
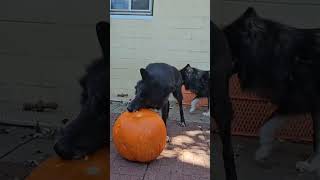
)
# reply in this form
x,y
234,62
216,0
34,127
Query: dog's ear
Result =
x,y
103,33
144,74
205,78
187,67
250,12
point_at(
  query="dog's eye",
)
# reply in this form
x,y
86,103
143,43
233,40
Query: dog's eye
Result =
x,y
143,94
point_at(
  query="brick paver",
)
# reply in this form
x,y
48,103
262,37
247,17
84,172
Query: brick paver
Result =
x,y
20,152
186,157
280,165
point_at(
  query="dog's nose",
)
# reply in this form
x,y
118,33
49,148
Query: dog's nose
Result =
x,y
63,151
130,108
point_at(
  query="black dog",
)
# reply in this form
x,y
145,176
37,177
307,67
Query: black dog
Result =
x,y
197,81
88,132
159,80
280,63
220,103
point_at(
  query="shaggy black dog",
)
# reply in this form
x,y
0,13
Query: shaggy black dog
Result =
x,y
281,63
89,131
159,80
220,103
197,81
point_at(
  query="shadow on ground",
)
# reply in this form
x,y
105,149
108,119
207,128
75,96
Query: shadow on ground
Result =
x,y
280,165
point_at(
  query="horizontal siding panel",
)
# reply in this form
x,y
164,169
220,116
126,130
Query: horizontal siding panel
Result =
x,y
125,74
188,22
184,7
37,70
44,47
169,37
31,78
187,45
49,40
58,11
124,53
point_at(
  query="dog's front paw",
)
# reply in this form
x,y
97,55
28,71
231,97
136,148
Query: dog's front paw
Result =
x,y
168,139
310,165
303,166
262,153
182,124
207,114
192,109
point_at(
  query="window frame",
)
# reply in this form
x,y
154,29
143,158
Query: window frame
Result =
x,y
135,12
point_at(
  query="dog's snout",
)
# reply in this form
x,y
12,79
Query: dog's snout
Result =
x,y
63,151
130,109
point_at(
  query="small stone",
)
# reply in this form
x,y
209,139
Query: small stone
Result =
x,y
65,120
38,152
31,163
36,135
93,170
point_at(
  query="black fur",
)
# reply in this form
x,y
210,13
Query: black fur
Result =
x,y
196,80
280,63
220,103
89,131
159,80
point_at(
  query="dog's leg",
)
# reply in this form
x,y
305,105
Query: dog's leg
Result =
x,y
165,114
208,112
194,103
178,95
221,106
313,162
223,117
222,113
267,133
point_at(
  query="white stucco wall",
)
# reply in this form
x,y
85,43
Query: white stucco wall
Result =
x,y
177,34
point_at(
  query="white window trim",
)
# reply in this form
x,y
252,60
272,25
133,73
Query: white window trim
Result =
x,y
130,12
133,17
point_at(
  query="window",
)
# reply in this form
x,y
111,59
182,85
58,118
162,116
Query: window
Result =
x,y
131,7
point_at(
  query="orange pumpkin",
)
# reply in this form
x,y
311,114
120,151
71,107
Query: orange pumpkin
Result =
x,y
139,136
94,167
